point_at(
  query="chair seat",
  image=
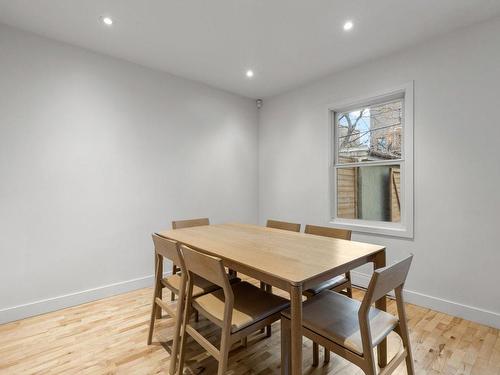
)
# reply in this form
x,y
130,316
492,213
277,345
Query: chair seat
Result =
x,y
201,286
328,284
251,305
335,317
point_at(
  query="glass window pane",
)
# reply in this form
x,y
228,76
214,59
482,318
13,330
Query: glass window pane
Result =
x,y
369,193
370,133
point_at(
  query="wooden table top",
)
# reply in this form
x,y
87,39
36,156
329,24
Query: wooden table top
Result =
x,y
292,257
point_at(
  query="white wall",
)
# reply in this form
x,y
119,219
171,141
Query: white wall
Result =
x,y
457,164
96,154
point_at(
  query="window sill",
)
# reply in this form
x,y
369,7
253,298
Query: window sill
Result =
x,y
374,227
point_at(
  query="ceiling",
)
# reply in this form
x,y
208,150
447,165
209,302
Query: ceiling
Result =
x,y
285,42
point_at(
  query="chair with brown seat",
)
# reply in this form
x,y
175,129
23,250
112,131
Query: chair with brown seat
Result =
x,y
165,248
341,283
179,224
351,328
238,309
176,283
283,225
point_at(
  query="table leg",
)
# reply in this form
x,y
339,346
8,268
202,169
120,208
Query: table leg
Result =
x,y
285,346
381,304
296,328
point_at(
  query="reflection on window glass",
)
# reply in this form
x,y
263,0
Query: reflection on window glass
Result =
x,y
369,193
370,133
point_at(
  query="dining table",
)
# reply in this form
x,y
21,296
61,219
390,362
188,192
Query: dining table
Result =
x,y
290,261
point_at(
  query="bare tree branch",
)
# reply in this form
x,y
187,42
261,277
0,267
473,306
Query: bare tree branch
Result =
x,y
351,126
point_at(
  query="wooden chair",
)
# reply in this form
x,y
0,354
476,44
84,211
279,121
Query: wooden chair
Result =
x,y
283,225
351,328
176,283
179,224
341,283
170,250
238,309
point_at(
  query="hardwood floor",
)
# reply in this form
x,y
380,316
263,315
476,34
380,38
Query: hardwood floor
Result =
x,y
109,337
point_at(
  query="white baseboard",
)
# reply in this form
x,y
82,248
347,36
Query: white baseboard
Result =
x,y
9,314
489,318
13,313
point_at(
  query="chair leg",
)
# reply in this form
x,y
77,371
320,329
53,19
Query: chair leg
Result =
x,y
179,321
369,366
285,347
409,358
159,273
404,331
182,348
349,288
244,342
268,289
315,354
174,271
409,362
349,291
152,323
159,311
155,307
225,345
326,358
196,316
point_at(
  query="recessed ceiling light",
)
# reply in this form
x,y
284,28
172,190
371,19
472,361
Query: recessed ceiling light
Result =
x,y
348,25
249,73
107,21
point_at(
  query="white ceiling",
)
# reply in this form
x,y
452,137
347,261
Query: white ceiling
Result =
x,y
286,42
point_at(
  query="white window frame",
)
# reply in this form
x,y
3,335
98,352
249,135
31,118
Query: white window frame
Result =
x,y
404,228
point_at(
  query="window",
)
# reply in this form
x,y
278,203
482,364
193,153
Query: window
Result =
x,y
372,164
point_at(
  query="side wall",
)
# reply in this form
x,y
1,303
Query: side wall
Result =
x,y
457,172
96,154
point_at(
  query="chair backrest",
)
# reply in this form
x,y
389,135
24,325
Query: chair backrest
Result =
x,y
179,224
168,249
387,279
383,281
283,225
343,234
209,267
